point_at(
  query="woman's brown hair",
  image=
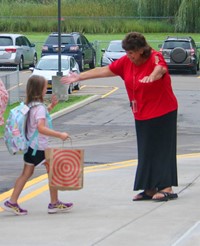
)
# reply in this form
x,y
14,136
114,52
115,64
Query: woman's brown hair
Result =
x,y
34,89
135,41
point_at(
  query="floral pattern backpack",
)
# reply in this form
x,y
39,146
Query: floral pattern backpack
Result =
x,y
3,101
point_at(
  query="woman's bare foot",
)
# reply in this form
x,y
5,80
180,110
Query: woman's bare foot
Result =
x,y
165,195
145,195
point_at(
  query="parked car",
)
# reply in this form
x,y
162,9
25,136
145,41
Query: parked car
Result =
x,y
181,53
17,50
113,52
73,44
47,67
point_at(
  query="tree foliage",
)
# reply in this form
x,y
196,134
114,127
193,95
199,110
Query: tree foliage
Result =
x,y
158,7
101,15
188,18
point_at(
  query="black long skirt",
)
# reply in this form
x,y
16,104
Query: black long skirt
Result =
x,y
157,164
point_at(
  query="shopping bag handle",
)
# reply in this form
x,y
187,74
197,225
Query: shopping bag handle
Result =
x,y
70,139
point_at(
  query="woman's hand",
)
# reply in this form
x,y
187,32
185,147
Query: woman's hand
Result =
x,y
70,78
157,73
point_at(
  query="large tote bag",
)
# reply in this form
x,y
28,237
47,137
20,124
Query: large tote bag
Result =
x,y
65,168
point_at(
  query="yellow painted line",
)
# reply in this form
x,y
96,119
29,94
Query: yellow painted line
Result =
x,y
110,164
7,194
109,167
34,193
103,86
83,86
96,168
13,87
192,155
112,91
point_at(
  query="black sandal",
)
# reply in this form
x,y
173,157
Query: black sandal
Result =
x,y
143,197
167,196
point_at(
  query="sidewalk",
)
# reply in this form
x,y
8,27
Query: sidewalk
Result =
x,y
104,213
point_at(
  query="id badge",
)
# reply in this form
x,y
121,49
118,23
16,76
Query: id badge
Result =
x,y
134,106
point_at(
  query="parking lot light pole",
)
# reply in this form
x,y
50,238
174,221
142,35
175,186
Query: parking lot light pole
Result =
x,y
58,89
59,73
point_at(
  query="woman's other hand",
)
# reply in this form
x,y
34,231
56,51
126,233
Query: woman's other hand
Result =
x,y
70,78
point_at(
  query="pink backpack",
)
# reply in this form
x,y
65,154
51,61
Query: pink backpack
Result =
x,y
3,101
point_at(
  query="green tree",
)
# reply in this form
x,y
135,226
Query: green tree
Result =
x,y
156,8
188,18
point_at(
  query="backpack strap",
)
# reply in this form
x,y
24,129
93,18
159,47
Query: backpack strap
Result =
x,y
35,134
49,119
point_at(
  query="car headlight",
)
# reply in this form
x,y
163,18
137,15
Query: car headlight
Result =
x,y
106,60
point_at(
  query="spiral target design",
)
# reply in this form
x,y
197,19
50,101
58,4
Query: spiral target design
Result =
x,y
67,168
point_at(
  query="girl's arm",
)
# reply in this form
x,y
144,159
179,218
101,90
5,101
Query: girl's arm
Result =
x,y
49,132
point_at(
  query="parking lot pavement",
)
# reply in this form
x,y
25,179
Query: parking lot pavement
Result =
x,y
104,213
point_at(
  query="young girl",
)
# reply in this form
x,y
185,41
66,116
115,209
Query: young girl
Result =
x,y
35,92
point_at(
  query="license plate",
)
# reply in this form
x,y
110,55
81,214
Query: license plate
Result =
x,y
167,60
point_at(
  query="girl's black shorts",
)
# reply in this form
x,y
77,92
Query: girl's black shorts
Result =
x,y
38,158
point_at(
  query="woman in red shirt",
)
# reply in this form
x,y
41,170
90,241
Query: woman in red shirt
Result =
x,y
154,106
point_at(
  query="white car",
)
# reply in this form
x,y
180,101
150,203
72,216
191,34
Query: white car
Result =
x,y
113,52
47,67
17,50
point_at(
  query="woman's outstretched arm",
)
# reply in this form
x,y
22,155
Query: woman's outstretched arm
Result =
x,y
99,72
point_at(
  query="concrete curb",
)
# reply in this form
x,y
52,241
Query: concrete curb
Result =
x,y
75,106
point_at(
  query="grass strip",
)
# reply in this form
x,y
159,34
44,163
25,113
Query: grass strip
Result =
x,y
73,99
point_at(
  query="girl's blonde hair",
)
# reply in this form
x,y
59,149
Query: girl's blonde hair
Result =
x,y
34,89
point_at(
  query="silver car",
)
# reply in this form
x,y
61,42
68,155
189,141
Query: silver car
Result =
x,y
17,50
47,67
113,52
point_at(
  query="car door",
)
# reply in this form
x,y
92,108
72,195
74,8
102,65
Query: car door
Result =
x,y
27,50
74,65
87,50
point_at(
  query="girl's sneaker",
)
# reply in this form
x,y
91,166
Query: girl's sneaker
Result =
x,y
14,208
59,207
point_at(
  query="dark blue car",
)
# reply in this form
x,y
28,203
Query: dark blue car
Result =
x,y
72,44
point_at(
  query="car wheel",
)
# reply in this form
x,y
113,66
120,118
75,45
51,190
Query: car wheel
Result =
x,y
82,64
21,63
178,55
198,66
34,61
194,70
93,63
70,89
77,87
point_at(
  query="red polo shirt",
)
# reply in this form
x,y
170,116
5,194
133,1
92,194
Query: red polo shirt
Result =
x,y
153,99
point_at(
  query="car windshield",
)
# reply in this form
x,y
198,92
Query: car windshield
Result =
x,y
115,47
64,40
6,41
52,64
175,44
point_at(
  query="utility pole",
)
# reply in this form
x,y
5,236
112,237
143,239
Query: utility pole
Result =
x,y
59,73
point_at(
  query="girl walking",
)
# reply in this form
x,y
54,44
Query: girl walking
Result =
x,y
37,120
